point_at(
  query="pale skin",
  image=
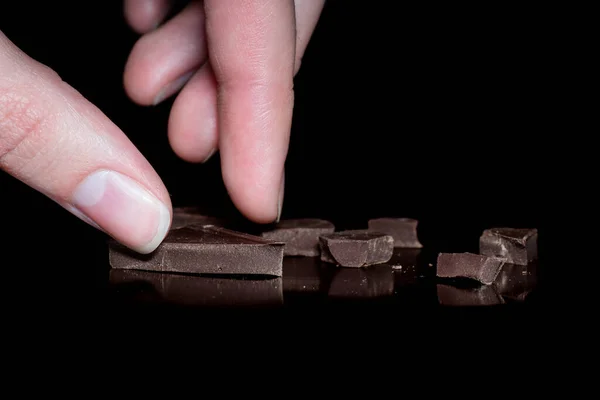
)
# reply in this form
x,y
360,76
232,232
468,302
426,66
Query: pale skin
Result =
x,y
230,64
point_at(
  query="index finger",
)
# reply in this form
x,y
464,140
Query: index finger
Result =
x,y
252,50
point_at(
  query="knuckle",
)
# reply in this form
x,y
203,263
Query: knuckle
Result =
x,y
23,119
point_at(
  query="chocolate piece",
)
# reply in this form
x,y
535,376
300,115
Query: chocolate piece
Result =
x,y
375,281
185,216
467,265
403,230
515,282
356,248
517,246
197,249
191,290
301,236
461,297
303,274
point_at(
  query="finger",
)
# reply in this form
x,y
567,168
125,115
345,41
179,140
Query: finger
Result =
x,y
145,15
307,16
58,143
193,119
251,47
162,61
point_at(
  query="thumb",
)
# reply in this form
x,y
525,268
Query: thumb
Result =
x,y
55,141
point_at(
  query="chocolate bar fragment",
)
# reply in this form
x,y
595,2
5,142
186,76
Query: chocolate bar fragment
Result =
x,y
403,230
481,268
205,249
517,246
356,248
301,236
193,290
468,297
372,282
185,216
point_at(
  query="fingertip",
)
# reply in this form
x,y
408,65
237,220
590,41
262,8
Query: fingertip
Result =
x,y
161,62
144,16
256,210
256,191
193,120
137,76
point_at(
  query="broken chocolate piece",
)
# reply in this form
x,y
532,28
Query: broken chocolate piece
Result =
x,y
301,236
198,249
403,230
192,290
372,282
185,216
517,246
466,297
467,265
356,248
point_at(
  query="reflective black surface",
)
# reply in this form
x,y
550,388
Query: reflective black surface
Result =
x,y
409,278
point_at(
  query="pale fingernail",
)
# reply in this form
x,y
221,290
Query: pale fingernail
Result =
x,y
123,209
280,199
208,157
172,88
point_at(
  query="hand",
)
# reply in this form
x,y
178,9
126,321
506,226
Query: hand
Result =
x,y
235,60
55,141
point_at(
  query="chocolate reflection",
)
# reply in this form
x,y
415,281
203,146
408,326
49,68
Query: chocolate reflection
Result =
x,y
513,283
468,296
190,290
304,275
371,282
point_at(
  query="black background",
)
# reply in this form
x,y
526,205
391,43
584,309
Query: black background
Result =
x,y
430,112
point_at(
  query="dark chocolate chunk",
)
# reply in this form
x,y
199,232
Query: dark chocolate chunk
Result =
x,y
468,296
515,282
356,248
375,281
403,230
185,216
303,274
517,246
481,268
193,290
301,236
198,249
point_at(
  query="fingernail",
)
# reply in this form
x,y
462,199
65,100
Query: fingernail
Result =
x,y
212,153
172,88
280,200
123,209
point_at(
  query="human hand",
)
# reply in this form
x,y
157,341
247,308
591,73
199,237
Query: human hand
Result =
x,y
54,140
58,143
235,60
